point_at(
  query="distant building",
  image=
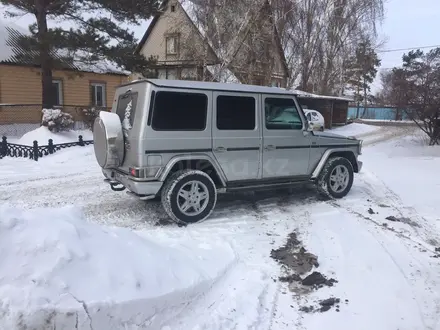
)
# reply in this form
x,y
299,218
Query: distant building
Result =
x,y
74,84
185,47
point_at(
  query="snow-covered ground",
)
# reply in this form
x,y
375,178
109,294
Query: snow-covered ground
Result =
x,y
42,135
66,255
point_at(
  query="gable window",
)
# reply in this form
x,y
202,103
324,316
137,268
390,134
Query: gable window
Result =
x,y
172,45
97,94
57,92
173,8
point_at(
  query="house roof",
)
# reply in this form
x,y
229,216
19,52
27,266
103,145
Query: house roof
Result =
x,y
13,53
242,16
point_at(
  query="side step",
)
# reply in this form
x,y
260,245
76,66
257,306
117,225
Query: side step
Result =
x,y
266,186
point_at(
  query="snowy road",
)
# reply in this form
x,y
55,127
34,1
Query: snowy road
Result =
x,y
385,270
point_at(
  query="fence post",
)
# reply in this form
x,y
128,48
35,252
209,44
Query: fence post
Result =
x,y
50,146
35,150
81,142
4,147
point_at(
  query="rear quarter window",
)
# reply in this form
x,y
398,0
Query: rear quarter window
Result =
x,y
179,111
126,109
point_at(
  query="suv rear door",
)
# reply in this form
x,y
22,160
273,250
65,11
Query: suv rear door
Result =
x,y
236,134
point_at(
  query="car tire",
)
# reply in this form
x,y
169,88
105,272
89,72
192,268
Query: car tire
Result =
x,y
178,194
336,178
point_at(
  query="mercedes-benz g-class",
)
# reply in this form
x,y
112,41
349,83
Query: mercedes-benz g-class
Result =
x,y
184,142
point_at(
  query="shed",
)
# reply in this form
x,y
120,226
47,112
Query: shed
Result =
x,y
334,109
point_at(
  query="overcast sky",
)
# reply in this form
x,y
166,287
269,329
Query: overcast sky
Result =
x,y
408,23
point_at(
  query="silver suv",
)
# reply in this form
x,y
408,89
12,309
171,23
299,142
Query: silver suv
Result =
x,y
184,142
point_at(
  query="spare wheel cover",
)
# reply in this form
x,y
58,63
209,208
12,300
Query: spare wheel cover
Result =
x,y
108,140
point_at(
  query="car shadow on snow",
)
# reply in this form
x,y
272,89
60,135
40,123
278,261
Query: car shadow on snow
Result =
x,y
236,204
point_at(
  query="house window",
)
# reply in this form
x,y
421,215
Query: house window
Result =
x,y
172,44
173,8
57,92
97,94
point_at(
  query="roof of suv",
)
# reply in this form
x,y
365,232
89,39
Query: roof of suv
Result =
x,y
188,84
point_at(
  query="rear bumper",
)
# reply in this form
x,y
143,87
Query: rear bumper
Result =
x,y
141,188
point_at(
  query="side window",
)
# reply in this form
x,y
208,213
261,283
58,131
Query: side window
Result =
x,y
179,111
235,113
282,114
126,109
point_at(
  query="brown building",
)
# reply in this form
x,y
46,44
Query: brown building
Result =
x,y
245,49
74,85
334,109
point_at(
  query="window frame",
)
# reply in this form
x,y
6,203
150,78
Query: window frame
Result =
x,y
302,118
227,95
60,91
93,85
153,111
174,37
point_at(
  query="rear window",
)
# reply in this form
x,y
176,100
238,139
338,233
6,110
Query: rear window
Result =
x,y
126,109
179,111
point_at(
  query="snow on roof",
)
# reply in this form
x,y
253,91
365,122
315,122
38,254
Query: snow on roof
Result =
x,y
11,52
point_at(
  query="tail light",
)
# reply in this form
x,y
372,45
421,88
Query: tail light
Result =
x,y
145,172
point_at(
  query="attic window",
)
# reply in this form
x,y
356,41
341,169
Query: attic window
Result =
x,y
173,8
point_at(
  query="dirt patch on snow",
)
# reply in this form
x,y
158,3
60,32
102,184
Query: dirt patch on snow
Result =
x,y
324,306
297,262
403,220
294,256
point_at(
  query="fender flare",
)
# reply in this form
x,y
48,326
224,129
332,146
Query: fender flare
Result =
x,y
166,171
325,157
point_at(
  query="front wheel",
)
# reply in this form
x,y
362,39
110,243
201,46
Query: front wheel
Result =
x,y
336,178
189,196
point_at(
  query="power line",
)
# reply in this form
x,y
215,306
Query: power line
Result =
x,y
403,49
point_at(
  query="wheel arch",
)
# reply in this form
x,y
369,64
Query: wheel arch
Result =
x,y
203,163
345,153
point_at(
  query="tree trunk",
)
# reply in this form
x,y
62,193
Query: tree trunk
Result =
x,y
45,60
365,99
357,101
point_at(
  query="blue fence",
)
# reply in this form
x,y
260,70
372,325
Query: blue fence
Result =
x,y
376,113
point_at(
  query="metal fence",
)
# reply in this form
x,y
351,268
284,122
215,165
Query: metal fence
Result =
x,y
19,119
376,112
36,151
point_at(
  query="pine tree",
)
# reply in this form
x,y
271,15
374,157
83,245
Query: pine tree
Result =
x,y
361,71
98,34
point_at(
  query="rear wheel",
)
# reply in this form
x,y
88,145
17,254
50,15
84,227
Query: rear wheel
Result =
x,y
336,178
189,196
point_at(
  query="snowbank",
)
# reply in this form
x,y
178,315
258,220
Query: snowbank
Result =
x,y
42,135
59,271
355,129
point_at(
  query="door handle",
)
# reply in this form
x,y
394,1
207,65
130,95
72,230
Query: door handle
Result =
x,y
220,149
269,147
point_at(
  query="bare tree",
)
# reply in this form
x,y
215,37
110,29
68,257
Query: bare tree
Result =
x,y
415,88
319,35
